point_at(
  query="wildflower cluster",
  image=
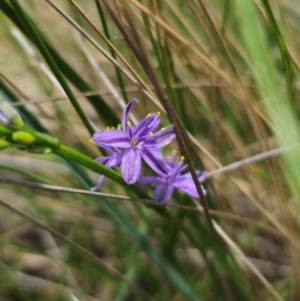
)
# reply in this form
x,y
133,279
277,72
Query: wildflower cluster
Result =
x,y
130,145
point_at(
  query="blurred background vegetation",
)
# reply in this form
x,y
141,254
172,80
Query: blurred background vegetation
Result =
x,y
230,70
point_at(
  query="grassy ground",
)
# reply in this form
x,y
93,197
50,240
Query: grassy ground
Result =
x,y
225,73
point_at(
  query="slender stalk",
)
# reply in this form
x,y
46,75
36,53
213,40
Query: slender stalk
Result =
x,y
138,190
71,154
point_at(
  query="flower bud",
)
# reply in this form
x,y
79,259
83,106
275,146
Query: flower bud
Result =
x,y
23,137
9,115
4,144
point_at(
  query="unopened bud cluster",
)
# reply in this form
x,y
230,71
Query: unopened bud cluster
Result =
x,y
13,132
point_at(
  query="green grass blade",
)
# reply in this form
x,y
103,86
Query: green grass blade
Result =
x,y
279,110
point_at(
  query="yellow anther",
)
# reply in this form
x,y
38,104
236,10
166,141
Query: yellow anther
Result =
x,y
149,115
174,151
162,129
108,128
150,134
182,158
169,158
91,140
167,142
128,123
113,128
158,113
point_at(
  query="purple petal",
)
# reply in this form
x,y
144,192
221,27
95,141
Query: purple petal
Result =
x,y
187,185
100,182
171,163
112,161
162,193
200,174
147,125
161,138
150,180
3,118
125,113
110,149
131,165
112,138
175,170
103,160
115,161
153,157
154,124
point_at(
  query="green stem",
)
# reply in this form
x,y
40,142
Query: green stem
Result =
x,y
69,153
138,190
47,56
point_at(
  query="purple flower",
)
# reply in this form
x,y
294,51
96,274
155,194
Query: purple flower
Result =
x,y
171,178
137,143
113,160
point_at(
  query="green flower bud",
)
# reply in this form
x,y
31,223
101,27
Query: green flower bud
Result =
x,y
23,137
4,144
17,121
9,115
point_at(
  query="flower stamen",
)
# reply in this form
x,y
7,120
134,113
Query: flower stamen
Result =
x,y
167,142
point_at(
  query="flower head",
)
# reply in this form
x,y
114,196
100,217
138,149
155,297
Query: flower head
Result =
x,y
140,142
170,178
